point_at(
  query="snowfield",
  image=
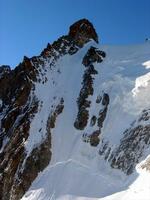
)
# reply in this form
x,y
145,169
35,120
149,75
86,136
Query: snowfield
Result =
x,y
76,170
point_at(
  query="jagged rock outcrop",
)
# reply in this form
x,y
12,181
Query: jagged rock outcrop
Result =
x,y
97,121
135,140
93,55
82,31
79,34
17,111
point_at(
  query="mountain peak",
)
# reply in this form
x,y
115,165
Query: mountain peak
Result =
x,y
82,31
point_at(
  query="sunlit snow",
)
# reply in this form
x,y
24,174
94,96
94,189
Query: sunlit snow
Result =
x,y
76,170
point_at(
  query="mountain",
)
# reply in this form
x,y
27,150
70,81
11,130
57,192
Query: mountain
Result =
x,y
75,121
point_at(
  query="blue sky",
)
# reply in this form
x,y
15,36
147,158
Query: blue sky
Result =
x,y
26,26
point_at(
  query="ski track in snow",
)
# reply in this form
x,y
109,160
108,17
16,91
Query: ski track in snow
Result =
x,y
76,171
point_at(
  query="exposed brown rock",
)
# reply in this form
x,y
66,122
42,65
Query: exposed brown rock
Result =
x,y
13,153
146,164
35,163
82,31
93,55
94,138
102,113
18,110
132,145
82,119
5,73
79,34
55,113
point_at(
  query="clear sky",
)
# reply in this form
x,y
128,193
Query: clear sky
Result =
x,y
26,26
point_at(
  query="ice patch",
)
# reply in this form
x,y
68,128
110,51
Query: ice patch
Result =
x,y
147,64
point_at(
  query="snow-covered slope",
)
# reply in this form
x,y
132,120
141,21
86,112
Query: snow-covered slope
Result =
x,y
85,126
77,170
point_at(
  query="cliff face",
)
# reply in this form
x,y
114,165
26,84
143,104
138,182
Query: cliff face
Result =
x,y
72,103
19,106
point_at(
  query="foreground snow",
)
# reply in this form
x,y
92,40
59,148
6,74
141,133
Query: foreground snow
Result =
x,y
76,171
93,185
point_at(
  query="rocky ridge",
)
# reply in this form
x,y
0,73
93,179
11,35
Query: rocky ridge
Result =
x,y
19,106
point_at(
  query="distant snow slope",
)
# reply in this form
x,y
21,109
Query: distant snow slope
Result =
x,y
77,171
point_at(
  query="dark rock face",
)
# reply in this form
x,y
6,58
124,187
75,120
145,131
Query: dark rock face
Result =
x,y
35,163
17,111
64,45
79,34
82,31
4,69
55,113
132,145
83,103
103,112
93,55
94,137
4,80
